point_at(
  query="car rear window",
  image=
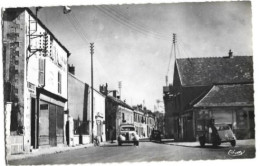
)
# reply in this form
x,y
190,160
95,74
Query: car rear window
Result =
x,y
127,129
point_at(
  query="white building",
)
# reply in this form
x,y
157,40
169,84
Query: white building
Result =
x,y
39,81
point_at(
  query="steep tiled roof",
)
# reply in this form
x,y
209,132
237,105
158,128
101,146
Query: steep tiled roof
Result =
x,y
215,70
228,95
119,102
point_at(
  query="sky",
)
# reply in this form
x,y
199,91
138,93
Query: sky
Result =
x,y
133,43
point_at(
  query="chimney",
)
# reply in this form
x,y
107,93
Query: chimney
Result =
x,y
103,89
72,69
114,93
230,54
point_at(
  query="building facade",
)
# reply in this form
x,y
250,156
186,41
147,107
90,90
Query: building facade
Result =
x,y
140,122
99,115
192,97
117,113
35,81
78,103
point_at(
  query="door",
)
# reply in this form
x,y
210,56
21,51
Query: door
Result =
x,y
251,124
44,124
33,123
60,125
52,125
99,131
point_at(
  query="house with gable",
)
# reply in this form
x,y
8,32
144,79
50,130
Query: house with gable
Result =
x,y
220,88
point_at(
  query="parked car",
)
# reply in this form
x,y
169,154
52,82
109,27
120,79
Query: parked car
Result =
x,y
217,134
127,134
156,135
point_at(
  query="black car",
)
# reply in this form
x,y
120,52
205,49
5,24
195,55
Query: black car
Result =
x,y
156,135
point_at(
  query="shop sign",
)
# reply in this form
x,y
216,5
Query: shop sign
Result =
x,y
31,88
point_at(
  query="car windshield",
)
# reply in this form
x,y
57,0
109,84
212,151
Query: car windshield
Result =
x,y
219,128
127,129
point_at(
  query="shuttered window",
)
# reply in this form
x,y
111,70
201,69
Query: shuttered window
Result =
x,y
42,71
59,82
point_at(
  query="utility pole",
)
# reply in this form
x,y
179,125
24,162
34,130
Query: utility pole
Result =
x,y
120,86
92,98
174,41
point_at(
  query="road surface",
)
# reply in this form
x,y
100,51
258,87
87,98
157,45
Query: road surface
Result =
x,y
146,151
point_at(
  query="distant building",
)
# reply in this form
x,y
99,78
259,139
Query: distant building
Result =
x,y
35,83
151,122
220,88
160,121
140,121
117,112
144,120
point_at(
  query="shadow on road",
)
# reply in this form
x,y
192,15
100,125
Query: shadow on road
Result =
x,y
116,145
171,143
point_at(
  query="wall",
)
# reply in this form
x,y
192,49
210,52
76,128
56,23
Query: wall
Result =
x,y
13,67
99,114
111,116
78,105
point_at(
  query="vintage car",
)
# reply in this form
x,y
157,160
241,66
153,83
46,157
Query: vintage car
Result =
x,y
127,134
217,134
156,135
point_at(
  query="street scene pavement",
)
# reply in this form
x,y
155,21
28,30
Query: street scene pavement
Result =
x,y
146,152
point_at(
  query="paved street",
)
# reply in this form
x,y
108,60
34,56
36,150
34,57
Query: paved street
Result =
x,y
147,151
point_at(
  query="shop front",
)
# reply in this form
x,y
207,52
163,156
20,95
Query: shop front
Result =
x,y
47,120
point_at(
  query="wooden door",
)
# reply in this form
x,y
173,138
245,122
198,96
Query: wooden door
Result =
x,y
52,125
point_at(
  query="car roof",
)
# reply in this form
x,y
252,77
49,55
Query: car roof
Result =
x,y
221,124
127,125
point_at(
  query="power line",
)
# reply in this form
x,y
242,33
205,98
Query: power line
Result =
x,y
123,22
140,26
169,60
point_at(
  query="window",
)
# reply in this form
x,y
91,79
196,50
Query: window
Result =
x,y
59,82
14,44
123,117
41,71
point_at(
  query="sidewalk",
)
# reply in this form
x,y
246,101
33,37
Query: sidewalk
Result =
x,y
197,144
45,151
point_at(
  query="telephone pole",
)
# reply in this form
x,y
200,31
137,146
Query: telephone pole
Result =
x,y
120,86
174,42
92,112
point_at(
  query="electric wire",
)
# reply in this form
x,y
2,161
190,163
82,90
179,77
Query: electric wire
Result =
x,y
106,12
140,26
168,68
